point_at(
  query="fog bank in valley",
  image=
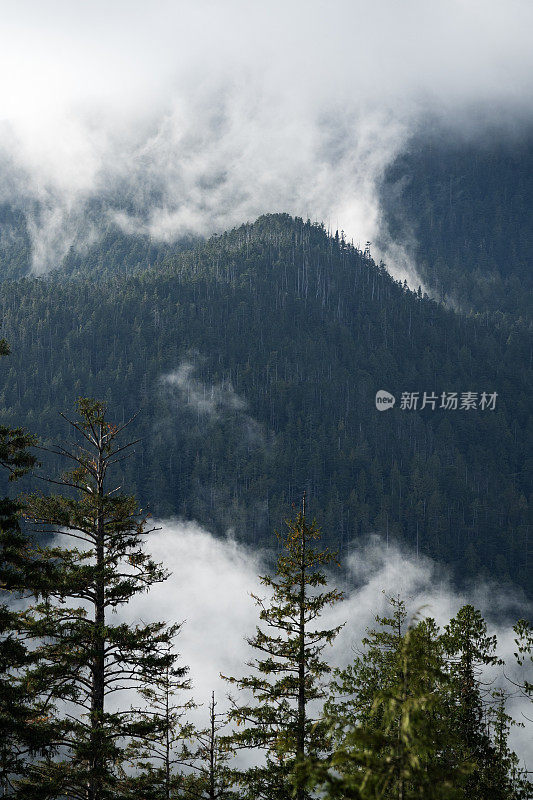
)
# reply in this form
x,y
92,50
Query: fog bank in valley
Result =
x,y
210,592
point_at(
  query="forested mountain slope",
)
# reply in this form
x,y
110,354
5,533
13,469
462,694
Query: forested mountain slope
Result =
x,y
255,359
467,209
114,252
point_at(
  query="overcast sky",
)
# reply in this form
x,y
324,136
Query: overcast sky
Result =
x,y
206,114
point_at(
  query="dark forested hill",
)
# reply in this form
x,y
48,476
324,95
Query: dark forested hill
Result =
x,y
255,359
468,207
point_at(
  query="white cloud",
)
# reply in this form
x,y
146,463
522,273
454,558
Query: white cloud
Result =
x,y
204,399
212,580
211,402
205,114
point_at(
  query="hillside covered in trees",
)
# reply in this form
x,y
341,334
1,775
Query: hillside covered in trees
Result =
x,y
95,702
254,359
265,506
464,206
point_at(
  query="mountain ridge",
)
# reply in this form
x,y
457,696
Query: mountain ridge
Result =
x,y
255,358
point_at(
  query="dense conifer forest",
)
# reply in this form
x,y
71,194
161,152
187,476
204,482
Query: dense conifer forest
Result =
x,y
464,207
95,706
238,374
266,377
253,360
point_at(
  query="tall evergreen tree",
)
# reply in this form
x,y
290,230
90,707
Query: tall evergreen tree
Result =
x,y
288,671
389,719
212,777
507,774
94,566
23,722
163,750
354,687
469,650
524,655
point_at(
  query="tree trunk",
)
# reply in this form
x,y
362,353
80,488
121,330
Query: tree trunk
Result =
x,y
167,734
300,725
97,699
212,787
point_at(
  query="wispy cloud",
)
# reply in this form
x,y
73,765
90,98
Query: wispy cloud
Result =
x,y
207,400
192,117
212,581
210,402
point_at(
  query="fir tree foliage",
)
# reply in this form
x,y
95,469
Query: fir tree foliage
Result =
x,y
159,755
95,564
410,717
509,777
212,776
23,718
288,671
524,654
470,649
388,717
353,688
